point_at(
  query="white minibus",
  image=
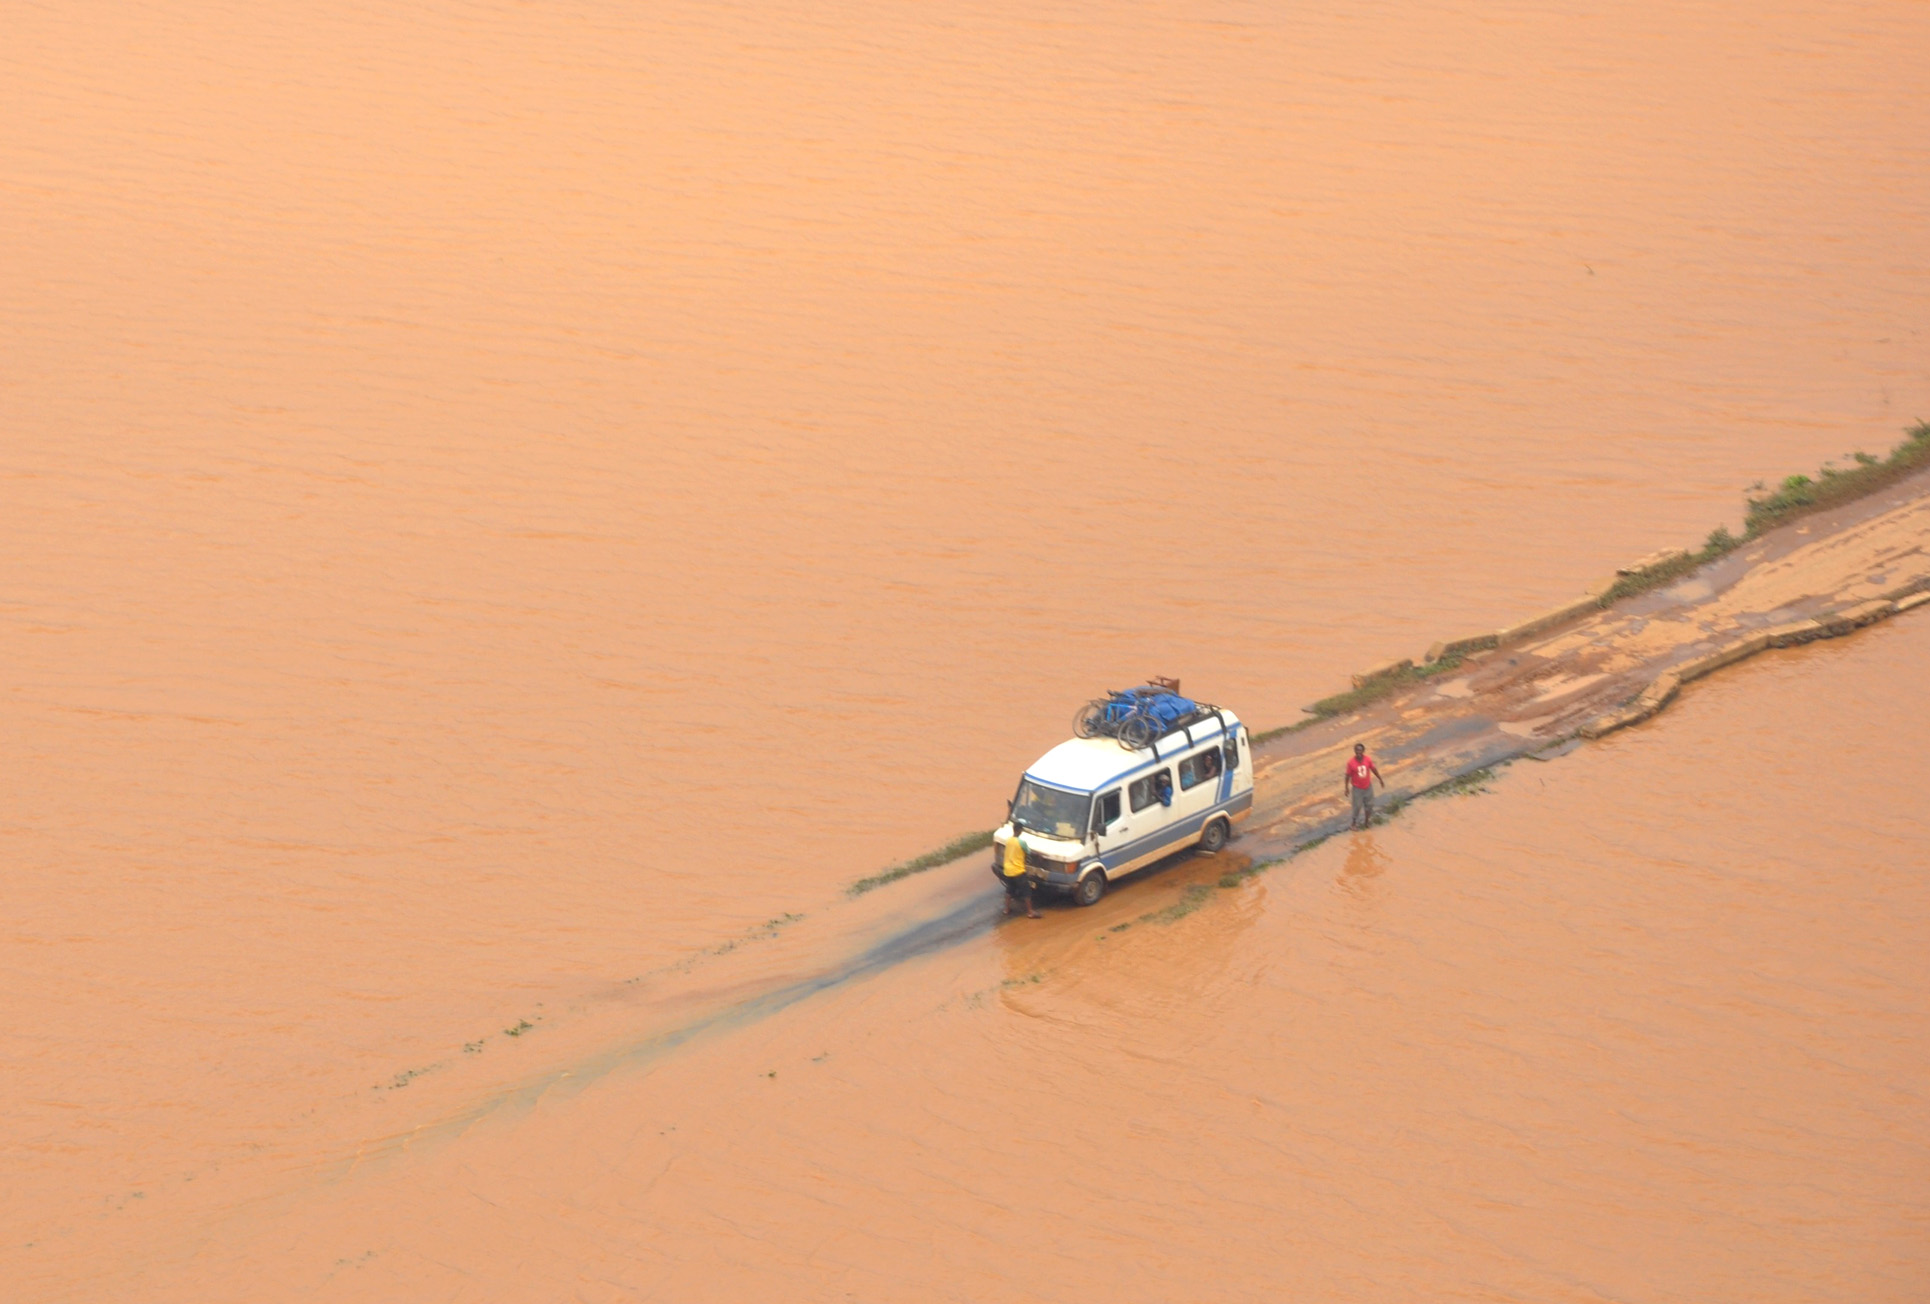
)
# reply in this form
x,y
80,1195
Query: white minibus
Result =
x,y
1093,810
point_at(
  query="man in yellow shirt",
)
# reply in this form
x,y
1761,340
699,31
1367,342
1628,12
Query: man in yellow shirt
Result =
x,y
1012,873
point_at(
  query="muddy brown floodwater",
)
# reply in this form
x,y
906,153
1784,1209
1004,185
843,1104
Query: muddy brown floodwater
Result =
x,y
505,510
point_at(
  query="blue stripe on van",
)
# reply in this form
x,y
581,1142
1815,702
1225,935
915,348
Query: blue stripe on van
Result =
x,y
1226,773
1139,848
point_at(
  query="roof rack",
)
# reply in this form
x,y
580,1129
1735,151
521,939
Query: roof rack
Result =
x,y
1138,718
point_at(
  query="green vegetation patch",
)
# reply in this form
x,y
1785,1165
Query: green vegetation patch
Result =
x,y
756,933
1720,542
1355,699
1191,899
1258,867
1375,689
945,855
1464,785
1799,495
1795,497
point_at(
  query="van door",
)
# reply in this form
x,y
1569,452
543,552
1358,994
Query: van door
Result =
x,y
1149,814
1110,827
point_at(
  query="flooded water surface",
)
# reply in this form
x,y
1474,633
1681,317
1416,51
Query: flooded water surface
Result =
x,y
1644,1023
508,509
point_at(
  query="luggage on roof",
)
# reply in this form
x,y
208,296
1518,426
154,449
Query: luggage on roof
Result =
x,y
1139,716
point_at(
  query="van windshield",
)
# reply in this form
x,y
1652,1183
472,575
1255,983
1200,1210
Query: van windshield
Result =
x,y
1051,811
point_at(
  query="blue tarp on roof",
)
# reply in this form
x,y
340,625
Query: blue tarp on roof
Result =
x,y
1166,708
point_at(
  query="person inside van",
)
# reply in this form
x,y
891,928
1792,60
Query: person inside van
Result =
x,y
1164,785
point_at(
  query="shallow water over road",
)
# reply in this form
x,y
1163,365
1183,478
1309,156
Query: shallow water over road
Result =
x,y
1644,1022
500,501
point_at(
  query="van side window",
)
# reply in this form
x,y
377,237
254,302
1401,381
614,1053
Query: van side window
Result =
x,y
1197,769
1142,793
1106,813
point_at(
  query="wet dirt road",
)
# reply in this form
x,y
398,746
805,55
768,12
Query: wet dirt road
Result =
x,y
1585,675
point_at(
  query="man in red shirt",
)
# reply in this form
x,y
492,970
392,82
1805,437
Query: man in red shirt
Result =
x,y
1359,780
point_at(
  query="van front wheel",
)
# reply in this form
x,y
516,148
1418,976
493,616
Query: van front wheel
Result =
x,y
1090,888
1213,837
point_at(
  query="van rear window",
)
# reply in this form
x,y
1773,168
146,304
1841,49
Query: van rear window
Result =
x,y
1195,770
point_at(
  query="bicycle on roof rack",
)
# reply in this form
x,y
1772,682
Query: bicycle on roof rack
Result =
x,y
1134,716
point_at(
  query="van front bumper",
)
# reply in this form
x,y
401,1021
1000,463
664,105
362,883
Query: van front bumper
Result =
x,y
1055,880
1059,880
